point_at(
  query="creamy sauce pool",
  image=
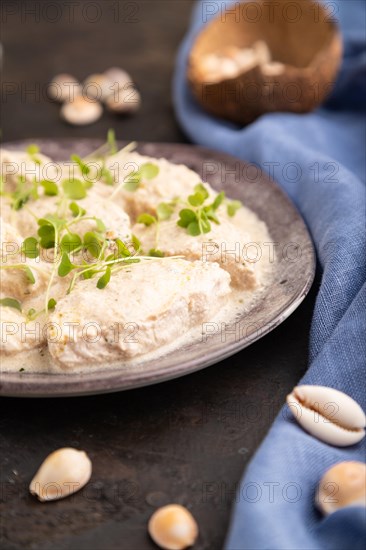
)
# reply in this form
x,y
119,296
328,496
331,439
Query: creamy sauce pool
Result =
x,y
239,303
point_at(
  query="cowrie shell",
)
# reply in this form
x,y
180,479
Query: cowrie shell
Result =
x,y
62,473
173,527
328,414
81,111
342,485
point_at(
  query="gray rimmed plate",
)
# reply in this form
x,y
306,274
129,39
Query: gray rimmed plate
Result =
x,y
294,270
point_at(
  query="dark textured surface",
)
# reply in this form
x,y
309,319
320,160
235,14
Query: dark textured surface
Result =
x,y
187,440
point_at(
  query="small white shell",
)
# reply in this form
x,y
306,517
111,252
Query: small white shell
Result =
x,y
118,78
262,51
125,100
81,111
273,68
63,87
173,527
98,86
328,414
62,473
228,68
247,59
342,485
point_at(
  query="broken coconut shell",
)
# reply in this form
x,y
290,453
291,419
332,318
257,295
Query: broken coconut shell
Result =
x,y
306,51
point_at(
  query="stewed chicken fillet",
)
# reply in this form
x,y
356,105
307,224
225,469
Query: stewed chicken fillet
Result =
x,y
14,282
145,306
173,180
224,245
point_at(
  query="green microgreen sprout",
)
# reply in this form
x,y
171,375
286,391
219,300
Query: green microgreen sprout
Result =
x,y
12,303
32,151
50,188
233,207
74,189
108,148
164,212
146,171
197,215
30,247
23,193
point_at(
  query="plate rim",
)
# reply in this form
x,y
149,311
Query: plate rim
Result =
x,y
47,386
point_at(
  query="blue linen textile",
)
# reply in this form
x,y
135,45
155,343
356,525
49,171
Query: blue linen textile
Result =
x,y
275,502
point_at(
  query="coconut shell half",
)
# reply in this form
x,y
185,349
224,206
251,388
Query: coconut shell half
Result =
x,y
304,42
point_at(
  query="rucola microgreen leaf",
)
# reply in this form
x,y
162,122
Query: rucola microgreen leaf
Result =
x,y
104,280
93,243
31,314
100,225
88,274
50,219
146,219
197,220
74,189
193,229
136,243
50,188
233,207
199,196
164,211
76,209
65,265
11,302
156,253
147,171
70,242
21,194
51,304
29,274
107,176
32,149
186,216
84,168
47,230
30,247
111,140
122,249
47,236
218,200
132,181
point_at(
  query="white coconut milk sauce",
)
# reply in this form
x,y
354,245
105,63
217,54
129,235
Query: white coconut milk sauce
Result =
x,y
38,360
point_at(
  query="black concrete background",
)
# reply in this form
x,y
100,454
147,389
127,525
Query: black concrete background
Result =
x,y
185,441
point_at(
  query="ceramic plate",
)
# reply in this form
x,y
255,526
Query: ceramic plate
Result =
x,y
294,270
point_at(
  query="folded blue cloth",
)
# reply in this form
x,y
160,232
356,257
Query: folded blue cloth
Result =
x,y
275,504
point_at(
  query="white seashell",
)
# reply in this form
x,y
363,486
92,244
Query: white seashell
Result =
x,y
173,527
62,473
98,86
210,63
247,59
64,87
273,68
228,68
125,100
262,51
342,485
81,111
328,414
118,78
